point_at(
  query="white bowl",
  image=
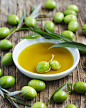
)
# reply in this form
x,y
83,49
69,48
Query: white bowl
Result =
x,y
27,42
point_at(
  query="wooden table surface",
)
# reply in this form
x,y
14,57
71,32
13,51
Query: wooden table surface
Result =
x,y
8,7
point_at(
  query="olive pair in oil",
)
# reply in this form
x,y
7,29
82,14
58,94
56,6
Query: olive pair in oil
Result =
x,y
33,54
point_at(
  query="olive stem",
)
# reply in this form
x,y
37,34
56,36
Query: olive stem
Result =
x,y
51,58
48,69
15,30
49,62
9,96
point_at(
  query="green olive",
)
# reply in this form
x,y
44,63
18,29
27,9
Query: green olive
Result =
x,y
50,4
6,44
69,18
80,87
0,72
4,32
38,105
13,19
58,17
38,85
73,7
7,59
67,12
49,25
28,92
68,34
71,106
60,96
7,81
30,21
84,29
55,65
73,26
42,66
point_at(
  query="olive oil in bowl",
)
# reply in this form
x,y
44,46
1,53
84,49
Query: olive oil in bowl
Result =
x,y
35,53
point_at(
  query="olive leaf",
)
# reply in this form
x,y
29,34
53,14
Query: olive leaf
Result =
x,y
46,35
60,88
68,87
59,36
36,15
51,35
33,14
17,101
32,36
14,97
8,98
13,93
13,29
50,32
32,8
37,28
15,104
11,101
4,90
43,34
23,28
19,29
17,97
22,103
1,93
47,30
70,44
22,18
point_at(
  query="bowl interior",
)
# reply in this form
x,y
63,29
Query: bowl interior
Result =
x,y
27,42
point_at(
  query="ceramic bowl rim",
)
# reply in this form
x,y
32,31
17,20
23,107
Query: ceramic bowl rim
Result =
x,y
46,75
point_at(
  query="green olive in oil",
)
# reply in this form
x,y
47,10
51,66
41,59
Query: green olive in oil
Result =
x,y
33,54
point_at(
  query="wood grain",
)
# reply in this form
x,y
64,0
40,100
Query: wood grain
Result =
x,y
8,7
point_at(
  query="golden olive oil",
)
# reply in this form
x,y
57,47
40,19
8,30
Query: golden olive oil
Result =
x,y
33,54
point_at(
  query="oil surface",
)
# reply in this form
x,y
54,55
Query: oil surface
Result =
x,y
32,55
